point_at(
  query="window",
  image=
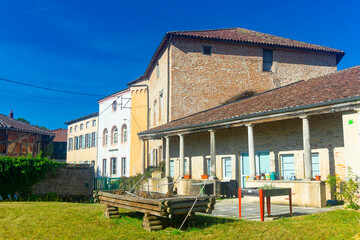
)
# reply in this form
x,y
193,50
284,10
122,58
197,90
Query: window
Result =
x,y
81,126
288,166
113,166
87,162
227,165
124,133
315,164
71,130
114,135
86,140
155,109
157,70
75,128
70,148
171,168
207,50
87,124
93,137
186,167
93,163
104,167
105,137
267,60
208,166
94,123
80,141
160,103
83,142
76,143
123,164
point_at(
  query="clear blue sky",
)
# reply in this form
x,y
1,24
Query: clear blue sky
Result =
x,y
96,47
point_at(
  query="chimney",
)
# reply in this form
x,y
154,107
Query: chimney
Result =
x,y
11,114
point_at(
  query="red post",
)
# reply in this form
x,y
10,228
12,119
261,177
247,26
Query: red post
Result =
x,y
239,195
268,205
290,202
261,196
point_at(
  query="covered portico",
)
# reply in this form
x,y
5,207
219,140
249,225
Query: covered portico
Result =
x,y
268,132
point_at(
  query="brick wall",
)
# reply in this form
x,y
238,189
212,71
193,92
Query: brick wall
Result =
x,y
69,181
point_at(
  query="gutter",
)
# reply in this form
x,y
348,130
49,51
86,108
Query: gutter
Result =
x,y
260,114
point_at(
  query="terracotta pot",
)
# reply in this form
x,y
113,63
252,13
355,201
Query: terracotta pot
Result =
x,y
187,176
318,178
204,176
257,177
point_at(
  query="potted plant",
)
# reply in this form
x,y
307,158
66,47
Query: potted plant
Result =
x,y
205,176
187,176
257,177
317,178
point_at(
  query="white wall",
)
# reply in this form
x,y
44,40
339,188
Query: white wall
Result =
x,y
108,118
351,125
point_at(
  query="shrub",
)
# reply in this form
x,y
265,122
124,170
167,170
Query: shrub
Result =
x,y
19,174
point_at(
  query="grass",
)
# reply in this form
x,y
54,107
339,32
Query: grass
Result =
x,y
57,220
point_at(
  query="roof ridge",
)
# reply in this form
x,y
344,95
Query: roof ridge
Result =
x,y
203,30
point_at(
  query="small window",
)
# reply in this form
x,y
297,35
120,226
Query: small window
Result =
x,y
171,168
114,135
207,50
87,124
186,166
93,163
75,128
71,130
80,141
94,123
76,143
124,133
104,167
208,166
123,163
105,137
114,106
86,140
93,137
113,166
81,126
157,70
288,166
83,143
267,60
227,167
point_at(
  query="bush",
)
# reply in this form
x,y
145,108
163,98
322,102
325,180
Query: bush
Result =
x,y
19,174
345,190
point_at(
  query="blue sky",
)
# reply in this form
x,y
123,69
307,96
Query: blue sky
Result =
x,y
96,47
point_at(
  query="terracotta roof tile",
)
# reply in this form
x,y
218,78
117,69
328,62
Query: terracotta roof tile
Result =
x,y
13,124
60,135
336,86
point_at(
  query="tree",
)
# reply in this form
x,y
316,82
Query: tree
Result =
x,y
23,120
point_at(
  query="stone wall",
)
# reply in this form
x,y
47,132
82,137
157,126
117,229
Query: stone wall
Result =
x,y
70,181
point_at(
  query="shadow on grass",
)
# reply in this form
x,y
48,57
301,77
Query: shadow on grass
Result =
x,y
137,215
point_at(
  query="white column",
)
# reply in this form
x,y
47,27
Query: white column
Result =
x,y
212,154
182,157
167,156
142,155
252,163
307,148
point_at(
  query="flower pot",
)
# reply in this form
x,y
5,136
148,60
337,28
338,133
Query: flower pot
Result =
x,y
257,177
318,178
204,176
187,176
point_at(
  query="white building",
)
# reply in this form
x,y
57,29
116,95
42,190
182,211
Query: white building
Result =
x,y
114,135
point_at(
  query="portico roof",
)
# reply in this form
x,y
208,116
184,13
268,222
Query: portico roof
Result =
x,y
341,88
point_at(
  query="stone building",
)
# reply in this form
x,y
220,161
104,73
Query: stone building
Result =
x,y
303,129
18,138
114,135
82,140
192,71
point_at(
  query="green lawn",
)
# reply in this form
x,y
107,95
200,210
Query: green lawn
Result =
x,y
53,220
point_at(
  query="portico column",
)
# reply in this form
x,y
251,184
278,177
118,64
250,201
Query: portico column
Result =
x,y
252,163
142,155
307,148
182,158
167,156
212,154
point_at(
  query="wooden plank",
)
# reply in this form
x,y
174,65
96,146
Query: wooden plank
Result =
x,y
128,203
156,213
186,210
189,204
129,198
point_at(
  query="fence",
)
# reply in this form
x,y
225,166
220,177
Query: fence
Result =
x,y
105,183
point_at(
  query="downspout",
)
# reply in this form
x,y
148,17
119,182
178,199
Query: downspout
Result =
x,y
168,82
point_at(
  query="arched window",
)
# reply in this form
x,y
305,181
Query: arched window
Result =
x,y
105,136
124,133
114,135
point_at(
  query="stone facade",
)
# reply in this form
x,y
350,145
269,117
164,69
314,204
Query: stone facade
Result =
x,y
70,181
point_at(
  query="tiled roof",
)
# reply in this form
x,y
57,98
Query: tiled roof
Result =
x,y
13,124
343,85
60,135
239,35
82,118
